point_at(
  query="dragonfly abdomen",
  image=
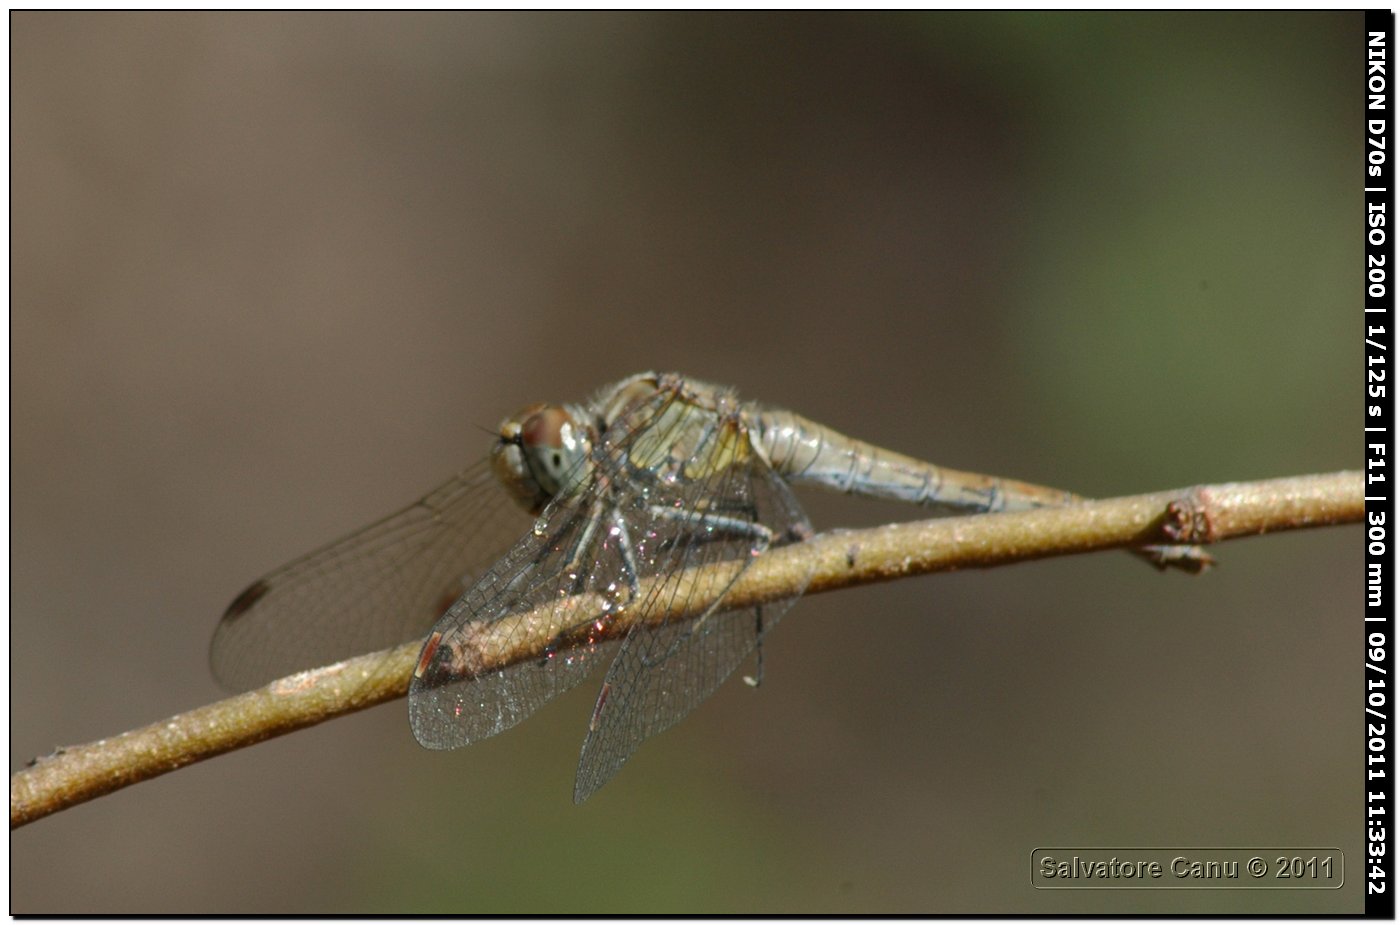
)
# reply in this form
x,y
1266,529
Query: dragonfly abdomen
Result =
x,y
807,453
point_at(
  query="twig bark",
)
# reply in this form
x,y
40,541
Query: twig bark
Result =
x,y
840,559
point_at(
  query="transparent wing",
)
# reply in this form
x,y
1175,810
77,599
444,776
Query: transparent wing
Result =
x,y
664,671
676,507
539,621
528,608
380,586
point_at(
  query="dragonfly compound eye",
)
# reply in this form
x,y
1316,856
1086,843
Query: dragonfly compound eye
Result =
x,y
553,445
539,454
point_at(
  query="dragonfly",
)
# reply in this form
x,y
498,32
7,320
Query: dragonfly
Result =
x,y
648,500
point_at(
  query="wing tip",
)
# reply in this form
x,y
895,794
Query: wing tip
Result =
x,y
246,599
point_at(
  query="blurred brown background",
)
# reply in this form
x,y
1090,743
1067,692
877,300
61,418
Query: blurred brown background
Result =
x,y
272,271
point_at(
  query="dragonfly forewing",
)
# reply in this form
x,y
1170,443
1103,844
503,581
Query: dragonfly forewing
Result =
x,y
380,586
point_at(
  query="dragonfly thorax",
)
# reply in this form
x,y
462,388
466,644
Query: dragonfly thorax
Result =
x,y
541,453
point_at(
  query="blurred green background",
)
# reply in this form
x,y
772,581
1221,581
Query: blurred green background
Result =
x,y
272,271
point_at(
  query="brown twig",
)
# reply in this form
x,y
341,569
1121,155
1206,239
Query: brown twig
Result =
x,y
834,560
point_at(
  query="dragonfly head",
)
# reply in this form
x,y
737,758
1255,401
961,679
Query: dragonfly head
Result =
x,y
540,454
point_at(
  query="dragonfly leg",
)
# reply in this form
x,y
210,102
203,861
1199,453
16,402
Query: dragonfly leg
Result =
x,y
757,678
580,548
725,524
629,556
732,526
